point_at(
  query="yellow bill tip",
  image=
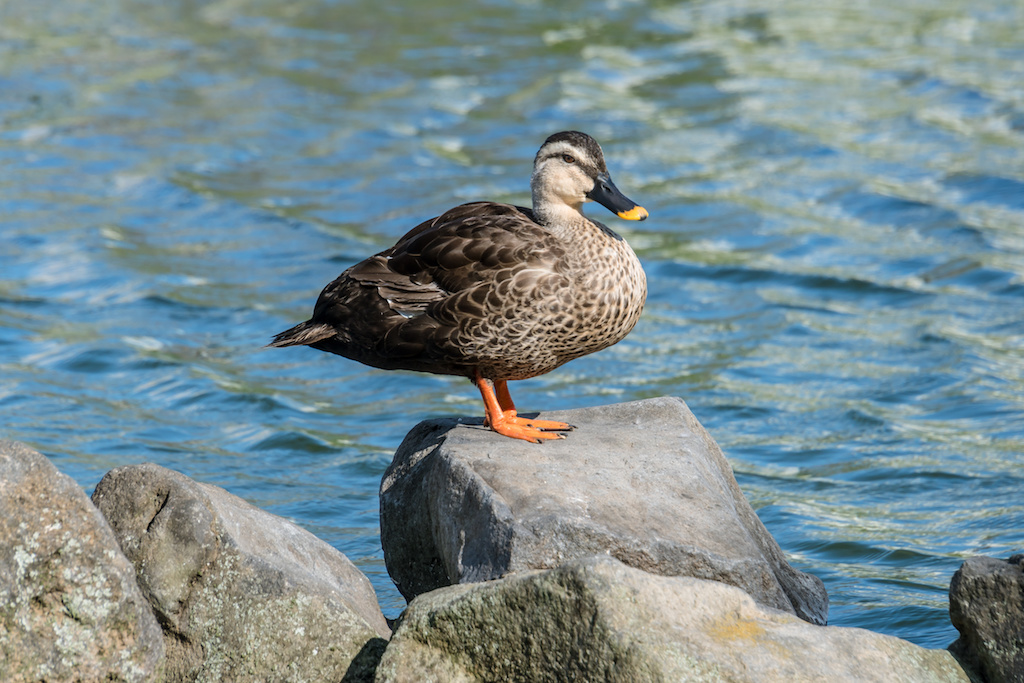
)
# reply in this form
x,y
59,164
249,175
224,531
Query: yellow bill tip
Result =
x,y
637,213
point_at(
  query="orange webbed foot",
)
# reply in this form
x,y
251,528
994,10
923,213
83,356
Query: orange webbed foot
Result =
x,y
526,429
503,419
544,425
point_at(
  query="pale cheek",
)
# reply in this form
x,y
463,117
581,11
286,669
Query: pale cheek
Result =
x,y
569,188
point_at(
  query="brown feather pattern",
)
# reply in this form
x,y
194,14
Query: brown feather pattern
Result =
x,y
483,289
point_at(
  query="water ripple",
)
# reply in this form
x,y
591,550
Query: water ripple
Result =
x,y
835,250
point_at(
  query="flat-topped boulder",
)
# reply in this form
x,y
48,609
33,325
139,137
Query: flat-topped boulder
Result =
x,y
70,609
596,619
642,482
242,595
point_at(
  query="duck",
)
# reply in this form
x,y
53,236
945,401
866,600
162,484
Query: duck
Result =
x,y
494,292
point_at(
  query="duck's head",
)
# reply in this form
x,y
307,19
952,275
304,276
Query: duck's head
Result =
x,y
568,171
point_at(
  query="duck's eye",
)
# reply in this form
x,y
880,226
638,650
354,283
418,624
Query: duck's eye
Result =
x,y
568,158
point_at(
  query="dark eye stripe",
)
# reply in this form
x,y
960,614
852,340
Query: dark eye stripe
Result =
x,y
562,156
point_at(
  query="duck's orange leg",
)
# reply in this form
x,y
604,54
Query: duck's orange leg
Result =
x,y
506,422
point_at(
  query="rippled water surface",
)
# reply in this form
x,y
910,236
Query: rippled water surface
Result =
x,y
835,249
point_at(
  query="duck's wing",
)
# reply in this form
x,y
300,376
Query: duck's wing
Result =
x,y
404,295
410,307
470,248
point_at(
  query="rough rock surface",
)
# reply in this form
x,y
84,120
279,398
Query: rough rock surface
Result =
x,y
986,604
641,481
70,609
598,620
242,595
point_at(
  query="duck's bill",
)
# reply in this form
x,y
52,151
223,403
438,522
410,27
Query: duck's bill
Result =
x,y
607,195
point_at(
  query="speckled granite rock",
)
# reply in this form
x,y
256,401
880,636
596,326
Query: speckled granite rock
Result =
x,y
986,604
598,620
641,481
70,609
242,595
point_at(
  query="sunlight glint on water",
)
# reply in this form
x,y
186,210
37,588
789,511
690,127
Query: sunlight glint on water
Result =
x,y
835,250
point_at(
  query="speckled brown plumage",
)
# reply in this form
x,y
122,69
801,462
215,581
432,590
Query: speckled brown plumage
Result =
x,y
493,291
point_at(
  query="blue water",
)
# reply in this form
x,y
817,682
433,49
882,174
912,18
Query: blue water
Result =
x,y
835,250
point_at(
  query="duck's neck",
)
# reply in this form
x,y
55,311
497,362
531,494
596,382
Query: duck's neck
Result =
x,y
563,220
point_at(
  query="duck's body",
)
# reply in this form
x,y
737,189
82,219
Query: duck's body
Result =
x,y
493,291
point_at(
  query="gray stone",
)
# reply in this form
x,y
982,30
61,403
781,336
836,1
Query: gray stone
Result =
x,y
986,604
70,609
242,595
598,620
641,481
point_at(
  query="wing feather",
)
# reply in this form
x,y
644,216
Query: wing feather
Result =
x,y
449,284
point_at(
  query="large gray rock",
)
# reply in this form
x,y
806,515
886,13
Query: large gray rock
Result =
x,y
986,604
642,481
242,595
599,620
70,609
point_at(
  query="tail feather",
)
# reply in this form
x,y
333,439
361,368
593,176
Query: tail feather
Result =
x,y
303,334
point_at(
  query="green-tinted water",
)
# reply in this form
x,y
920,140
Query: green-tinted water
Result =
x,y
835,249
